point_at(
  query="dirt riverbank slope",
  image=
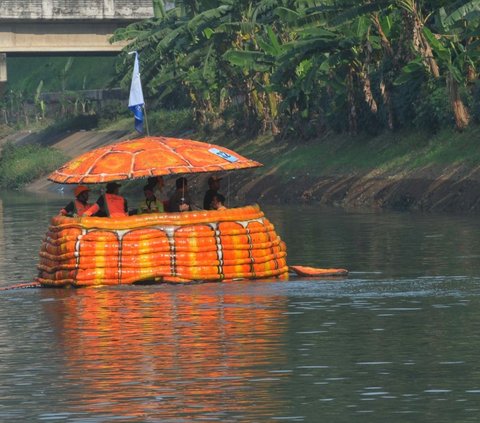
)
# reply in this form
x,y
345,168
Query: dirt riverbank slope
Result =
x,y
452,189
447,188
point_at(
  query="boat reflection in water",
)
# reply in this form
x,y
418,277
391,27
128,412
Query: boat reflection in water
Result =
x,y
181,354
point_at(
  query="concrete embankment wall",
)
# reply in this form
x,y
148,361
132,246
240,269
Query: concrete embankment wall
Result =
x,y
453,190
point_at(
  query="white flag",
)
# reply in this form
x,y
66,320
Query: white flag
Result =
x,y
136,101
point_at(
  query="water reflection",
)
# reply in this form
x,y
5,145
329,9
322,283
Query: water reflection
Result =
x,y
2,241
24,219
388,244
363,351
396,341
178,355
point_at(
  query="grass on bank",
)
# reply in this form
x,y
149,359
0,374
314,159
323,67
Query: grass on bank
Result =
x,y
158,122
389,153
330,155
20,165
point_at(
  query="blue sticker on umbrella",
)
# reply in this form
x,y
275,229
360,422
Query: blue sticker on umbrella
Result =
x,y
223,155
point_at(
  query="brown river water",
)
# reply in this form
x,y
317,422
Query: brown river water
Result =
x,y
398,340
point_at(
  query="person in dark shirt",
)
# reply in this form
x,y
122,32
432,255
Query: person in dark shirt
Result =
x,y
213,187
180,200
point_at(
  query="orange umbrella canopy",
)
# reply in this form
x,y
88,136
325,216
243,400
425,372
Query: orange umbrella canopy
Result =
x,y
150,156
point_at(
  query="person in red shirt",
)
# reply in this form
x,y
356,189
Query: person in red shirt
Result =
x,y
79,205
110,204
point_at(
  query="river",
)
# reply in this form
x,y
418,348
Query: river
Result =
x,y
396,341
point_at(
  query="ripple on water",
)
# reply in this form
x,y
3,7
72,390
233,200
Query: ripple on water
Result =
x,y
295,350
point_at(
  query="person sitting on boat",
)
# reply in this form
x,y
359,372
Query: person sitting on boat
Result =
x,y
218,202
110,204
150,204
180,200
79,205
157,184
213,187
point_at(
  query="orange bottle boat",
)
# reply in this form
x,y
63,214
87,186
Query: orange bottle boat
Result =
x,y
220,245
237,243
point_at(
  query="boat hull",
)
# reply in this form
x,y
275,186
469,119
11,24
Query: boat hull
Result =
x,y
237,243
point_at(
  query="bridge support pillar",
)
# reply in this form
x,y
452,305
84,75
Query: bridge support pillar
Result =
x,y
3,72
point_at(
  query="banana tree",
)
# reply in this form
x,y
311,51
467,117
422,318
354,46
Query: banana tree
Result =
x,y
340,49
454,50
254,56
39,102
158,8
184,52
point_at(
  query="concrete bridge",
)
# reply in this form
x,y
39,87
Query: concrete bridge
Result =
x,y
64,26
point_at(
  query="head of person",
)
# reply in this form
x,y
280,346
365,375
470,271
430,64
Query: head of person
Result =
x,y
214,182
112,188
81,192
155,181
218,200
181,183
148,191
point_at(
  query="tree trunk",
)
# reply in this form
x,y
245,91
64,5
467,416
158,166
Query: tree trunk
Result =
x,y
386,86
471,73
420,43
364,78
387,47
352,109
460,112
367,91
387,101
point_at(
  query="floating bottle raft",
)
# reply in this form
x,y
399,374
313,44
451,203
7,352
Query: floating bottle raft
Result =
x,y
308,271
238,243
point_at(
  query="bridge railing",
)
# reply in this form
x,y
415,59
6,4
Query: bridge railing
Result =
x,y
73,10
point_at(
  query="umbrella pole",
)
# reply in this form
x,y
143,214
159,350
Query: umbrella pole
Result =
x,y
228,191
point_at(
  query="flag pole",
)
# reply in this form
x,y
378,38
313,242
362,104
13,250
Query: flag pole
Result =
x,y
146,120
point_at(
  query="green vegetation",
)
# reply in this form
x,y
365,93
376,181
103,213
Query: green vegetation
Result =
x,y
20,165
82,73
159,122
319,86
40,90
303,68
296,68
344,155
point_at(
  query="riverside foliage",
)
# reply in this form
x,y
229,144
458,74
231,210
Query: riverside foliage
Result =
x,y
305,67
20,165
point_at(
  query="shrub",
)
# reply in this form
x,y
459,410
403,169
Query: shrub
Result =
x,y
433,110
170,122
